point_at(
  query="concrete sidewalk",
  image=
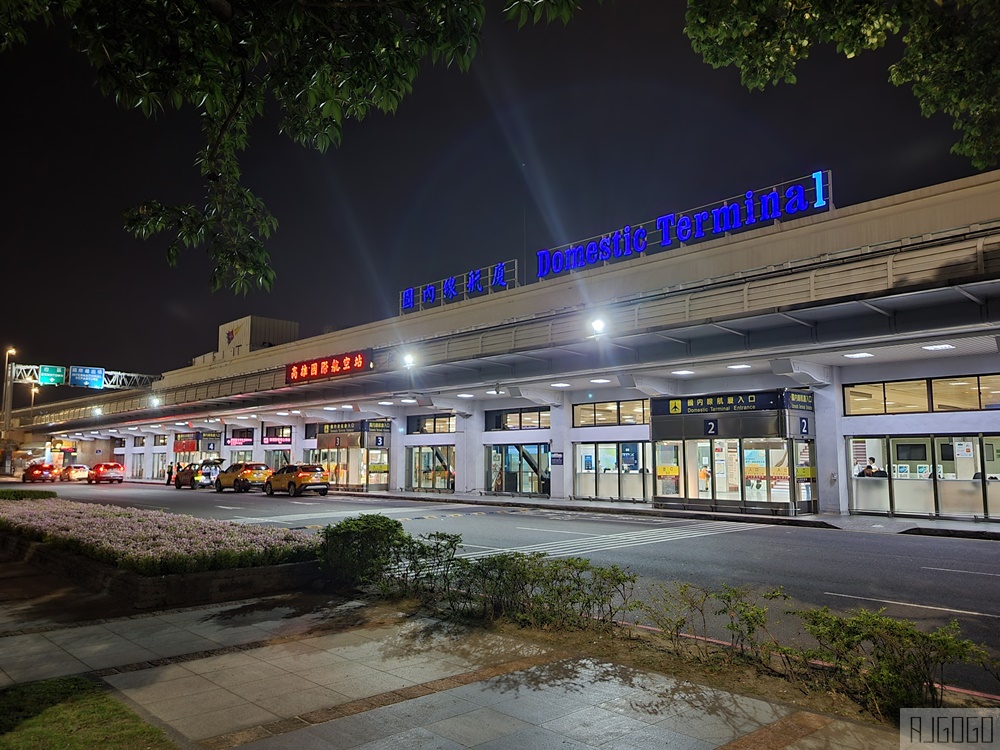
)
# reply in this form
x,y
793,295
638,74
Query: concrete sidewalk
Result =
x,y
304,672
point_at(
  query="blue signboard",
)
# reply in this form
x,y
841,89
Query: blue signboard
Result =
x,y
86,377
728,403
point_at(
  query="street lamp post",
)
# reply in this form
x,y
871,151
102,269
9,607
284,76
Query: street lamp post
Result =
x,y
7,393
34,390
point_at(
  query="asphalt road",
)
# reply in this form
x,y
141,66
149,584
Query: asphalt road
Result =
x,y
930,580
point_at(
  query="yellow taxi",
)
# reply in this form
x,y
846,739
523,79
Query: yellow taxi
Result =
x,y
242,477
295,478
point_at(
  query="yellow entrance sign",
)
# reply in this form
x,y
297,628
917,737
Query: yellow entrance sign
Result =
x,y
675,406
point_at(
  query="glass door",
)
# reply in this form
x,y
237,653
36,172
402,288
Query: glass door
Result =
x,y
668,469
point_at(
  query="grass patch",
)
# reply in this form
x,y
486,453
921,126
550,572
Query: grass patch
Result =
x,y
72,713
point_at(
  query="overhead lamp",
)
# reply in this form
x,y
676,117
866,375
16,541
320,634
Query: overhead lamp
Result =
x,y
560,385
98,411
407,401
682,372
598,326
859,355
409,360
738,367
185,424
133,428
329,408
243,416
937,347
281,413
386,403
296,411
600,380
496,391
465,395
154,401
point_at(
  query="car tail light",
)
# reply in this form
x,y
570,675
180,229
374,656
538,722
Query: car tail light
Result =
x,y
100,468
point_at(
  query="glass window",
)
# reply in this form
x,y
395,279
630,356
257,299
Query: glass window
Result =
x,y
864,399
311,429
906,397
989,391
159,439
529,419
631,412
607,413
139,441
512,421
584,415
955,394
544,419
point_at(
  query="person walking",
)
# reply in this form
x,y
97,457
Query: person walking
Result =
x,y
170,472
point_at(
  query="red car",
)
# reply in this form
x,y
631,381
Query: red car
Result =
x,y
40,473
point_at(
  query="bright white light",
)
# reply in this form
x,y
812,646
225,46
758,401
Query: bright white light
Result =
x,y
154,401
133,428
598,326
600,380
386,403
239,417
465,395
682,372
738,367
560,385
859,355
98,411
409,360
495,392
407,401
282,413
937,347
184,424
296,411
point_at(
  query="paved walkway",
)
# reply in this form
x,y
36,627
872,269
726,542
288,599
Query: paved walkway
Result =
x,y
301,672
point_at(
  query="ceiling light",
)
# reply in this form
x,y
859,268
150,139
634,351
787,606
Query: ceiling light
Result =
x,y
738,367
682,372
600,380
97,411
598,326
560,385
133,428
112,430
937,347
239,417
347,406
859,355
185,424
282,413
386,403
409,360
465,395
407,401
496,391
154,401
325,408
296,411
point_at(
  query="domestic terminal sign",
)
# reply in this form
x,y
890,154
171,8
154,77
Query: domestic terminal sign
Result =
x,y
748,210
729,403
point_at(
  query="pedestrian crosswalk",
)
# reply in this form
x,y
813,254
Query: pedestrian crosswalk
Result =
x,y
601,542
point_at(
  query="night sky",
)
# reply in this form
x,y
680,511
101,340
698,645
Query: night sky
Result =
x,y
556,134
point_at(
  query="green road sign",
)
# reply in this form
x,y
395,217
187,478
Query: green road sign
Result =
x,y
51,375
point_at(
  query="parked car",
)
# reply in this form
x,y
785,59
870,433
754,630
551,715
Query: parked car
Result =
x,y
241,477
74,472
109,472
198,474
40,473
295,478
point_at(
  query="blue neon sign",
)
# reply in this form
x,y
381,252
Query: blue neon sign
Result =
x,y
752,209
474,283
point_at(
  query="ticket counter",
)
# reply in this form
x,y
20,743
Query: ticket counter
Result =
x,y
740,452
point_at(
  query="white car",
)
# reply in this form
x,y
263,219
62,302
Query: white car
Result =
x,y
106,473
73,472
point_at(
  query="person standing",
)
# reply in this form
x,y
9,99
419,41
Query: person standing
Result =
x,y
170,472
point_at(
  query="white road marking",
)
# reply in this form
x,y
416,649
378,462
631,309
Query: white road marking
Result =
x,y
970,572
230,507
573,547
910,604
554,531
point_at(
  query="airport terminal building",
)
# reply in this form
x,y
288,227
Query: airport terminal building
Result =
x,y
750,355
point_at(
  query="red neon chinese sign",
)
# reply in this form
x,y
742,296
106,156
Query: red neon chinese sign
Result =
x,y
328,367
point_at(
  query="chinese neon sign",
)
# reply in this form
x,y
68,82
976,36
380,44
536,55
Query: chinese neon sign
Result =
x,y
329,367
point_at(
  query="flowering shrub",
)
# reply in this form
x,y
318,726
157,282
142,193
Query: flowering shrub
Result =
x,y
151,542
8,494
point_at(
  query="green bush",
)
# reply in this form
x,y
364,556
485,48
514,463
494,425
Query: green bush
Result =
x,y
885,664
360,551
26,494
